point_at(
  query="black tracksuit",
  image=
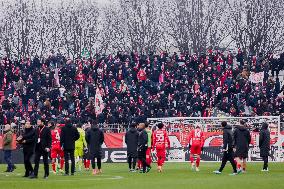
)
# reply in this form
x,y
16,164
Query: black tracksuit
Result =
x,y
131,140
142,148
43,141
29,137
228,145
95,139
264,145
242,140
69,134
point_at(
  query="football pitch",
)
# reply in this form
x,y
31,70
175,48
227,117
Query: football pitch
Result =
x,y
175,176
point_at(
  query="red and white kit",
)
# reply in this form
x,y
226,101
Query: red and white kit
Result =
x,y
196,140
56,148
160,143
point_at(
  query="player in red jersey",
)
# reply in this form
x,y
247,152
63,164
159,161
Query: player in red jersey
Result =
x,y
160,141
196,142
56,150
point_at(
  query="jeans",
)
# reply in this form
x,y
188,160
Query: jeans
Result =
x,y
8,159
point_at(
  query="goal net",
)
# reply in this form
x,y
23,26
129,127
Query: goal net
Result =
x,y
179,128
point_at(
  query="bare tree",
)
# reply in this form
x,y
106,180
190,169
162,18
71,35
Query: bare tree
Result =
x,y
197,24
30,27
141,19
257,25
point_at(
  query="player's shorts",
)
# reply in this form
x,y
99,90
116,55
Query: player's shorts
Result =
x,y
196,149
161,153
56,151
161,156
79,152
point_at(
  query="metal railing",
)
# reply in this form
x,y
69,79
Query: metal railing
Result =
x,y
107,128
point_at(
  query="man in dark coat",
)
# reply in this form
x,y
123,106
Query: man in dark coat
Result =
x,y
28,140
95,139
69,134
228,144
264,145
131,140
142,147
242,140
42,148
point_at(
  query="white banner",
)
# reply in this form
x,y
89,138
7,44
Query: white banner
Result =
x,y
256,77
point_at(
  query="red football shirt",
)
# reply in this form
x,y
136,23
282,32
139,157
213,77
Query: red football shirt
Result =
x,y
161,139
55,135
196,137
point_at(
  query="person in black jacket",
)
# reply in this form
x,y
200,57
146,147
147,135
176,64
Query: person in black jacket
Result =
x,y
69,134
28,140
142,147
42,148
131,140
242,140
95,138
228,144
264,145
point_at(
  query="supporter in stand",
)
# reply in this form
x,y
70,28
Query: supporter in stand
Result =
x,y
129,87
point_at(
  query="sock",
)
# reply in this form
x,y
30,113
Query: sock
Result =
x,y
61,163
244,167
197,162
80,164
88,164
191,160
85,163
139,165
54,166
239,166
159,162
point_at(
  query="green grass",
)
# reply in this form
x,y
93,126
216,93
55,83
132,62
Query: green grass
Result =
x,y
175,176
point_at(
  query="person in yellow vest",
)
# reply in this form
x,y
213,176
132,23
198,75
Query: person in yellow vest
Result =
x,y
80,144
7,148
148,152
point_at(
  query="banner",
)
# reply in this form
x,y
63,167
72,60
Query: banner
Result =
x,y
99,103
256,77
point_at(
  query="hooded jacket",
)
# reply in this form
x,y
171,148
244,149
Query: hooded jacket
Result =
x,y
264,141
95,139
131,140
242,140
69,134
228,142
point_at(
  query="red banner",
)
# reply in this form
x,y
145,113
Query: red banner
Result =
x,y
212,139
116,140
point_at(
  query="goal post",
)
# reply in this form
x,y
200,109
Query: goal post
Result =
x,y
179,128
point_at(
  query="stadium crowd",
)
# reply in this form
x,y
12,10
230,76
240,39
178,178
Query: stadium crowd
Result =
x,y
130,87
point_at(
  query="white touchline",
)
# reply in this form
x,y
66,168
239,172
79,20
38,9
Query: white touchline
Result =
x,y
94,178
